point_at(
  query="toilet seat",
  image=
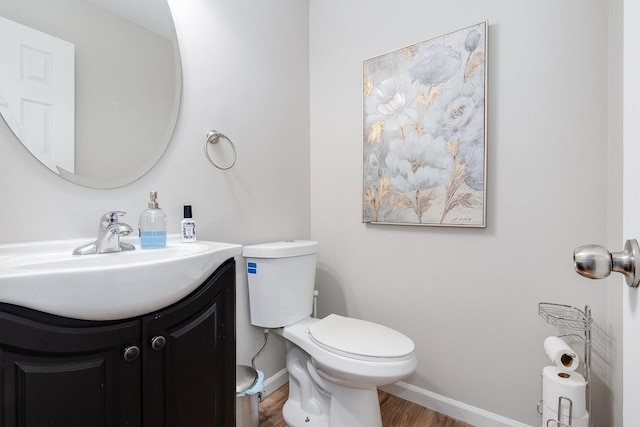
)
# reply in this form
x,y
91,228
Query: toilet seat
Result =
x,y
359,339
343,368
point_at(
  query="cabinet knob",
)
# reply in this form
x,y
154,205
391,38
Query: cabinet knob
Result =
x,y
158,342
131,353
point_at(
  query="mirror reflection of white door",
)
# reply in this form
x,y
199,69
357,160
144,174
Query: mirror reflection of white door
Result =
x,y
37,92
631,209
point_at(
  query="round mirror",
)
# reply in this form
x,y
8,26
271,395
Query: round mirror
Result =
x,y
90,87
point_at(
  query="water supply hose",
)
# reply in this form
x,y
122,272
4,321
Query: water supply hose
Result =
x,y
253,359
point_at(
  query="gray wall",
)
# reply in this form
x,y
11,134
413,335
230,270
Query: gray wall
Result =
x,y
468,298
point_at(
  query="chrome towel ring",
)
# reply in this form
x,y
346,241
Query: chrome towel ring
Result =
x,y
213,137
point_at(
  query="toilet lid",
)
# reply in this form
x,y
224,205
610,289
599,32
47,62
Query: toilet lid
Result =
x,y
355,337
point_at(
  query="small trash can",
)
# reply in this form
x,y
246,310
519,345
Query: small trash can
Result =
x,y
249,388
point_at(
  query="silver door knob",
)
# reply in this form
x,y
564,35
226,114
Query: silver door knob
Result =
x,y
596,262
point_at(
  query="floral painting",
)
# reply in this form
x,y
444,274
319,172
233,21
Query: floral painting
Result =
x,y
424,139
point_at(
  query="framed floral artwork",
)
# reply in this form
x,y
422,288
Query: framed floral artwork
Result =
x,y
425,132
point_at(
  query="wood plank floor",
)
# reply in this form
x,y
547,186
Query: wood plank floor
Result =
x,y
396,412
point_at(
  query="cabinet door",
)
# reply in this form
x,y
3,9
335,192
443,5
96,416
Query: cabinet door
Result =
x,y
190,380
68,375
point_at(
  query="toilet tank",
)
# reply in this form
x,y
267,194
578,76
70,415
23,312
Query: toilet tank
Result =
x,y
281,278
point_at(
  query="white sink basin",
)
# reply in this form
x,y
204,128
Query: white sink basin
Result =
x,y
45,276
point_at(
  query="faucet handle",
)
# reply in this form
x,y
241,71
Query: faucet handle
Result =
x,y
110,218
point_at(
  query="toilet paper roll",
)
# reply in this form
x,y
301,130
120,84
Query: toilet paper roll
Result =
x,y
557,383
561,354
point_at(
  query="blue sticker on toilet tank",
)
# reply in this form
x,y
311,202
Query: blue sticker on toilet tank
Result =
x,y
252,268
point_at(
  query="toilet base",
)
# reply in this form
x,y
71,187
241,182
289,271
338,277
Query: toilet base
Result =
x,y
295,416
316,401
363,411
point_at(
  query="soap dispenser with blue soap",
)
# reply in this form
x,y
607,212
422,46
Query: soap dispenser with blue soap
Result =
x,y
153,225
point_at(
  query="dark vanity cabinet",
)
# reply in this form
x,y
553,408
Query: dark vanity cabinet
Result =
x,y
170,368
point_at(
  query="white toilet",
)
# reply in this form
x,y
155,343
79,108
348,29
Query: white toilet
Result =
x,y
335,364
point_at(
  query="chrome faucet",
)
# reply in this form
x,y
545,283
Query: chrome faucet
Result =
x,y
109,232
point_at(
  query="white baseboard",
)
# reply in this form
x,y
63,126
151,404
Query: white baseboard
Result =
x,y
452,408
275,381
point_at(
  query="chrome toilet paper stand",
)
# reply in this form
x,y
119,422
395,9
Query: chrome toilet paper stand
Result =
x,y
576,323
557,423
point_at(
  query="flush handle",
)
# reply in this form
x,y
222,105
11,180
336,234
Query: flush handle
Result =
x,y
596,262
